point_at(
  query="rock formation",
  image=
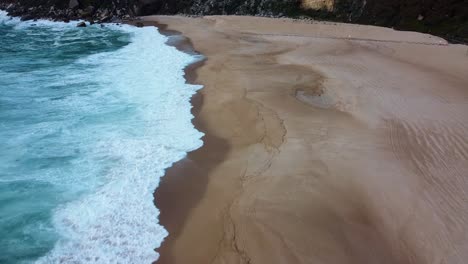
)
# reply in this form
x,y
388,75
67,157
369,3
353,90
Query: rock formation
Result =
x,y
447,18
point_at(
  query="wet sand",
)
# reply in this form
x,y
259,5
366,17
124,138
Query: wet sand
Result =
x,y
325,143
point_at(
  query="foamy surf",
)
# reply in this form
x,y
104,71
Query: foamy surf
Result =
x,y
137,124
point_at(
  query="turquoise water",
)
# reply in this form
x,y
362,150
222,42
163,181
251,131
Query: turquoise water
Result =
x,y
89,119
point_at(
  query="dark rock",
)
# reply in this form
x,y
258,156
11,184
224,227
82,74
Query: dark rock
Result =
x,y
446,18
27,17
105,13
115,19
87,12
81,24
104,19
73,4
139,24
10,8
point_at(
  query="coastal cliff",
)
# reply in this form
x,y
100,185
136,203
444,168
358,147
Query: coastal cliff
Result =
x,y
447,18
107,10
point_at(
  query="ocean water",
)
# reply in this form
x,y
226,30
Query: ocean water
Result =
x,y
89,120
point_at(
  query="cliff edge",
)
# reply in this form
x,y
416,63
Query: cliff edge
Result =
x,y
446,18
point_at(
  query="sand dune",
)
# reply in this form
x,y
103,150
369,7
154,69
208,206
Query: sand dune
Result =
x,y
326,143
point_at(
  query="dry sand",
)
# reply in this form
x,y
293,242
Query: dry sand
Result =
x,y
326,143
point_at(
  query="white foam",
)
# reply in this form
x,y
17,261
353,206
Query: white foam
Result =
x,y
4,18
119,222
16,21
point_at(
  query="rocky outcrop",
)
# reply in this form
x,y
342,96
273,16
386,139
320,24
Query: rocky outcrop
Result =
x,y
81,24
327,5
65,10
101,9
447,18
72,4
216,7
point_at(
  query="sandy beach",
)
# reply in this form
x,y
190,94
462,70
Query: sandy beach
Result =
x,y
325,143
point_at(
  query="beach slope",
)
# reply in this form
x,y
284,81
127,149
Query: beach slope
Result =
x,y
325,143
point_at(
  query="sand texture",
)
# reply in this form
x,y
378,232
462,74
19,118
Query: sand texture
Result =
x,y
325,143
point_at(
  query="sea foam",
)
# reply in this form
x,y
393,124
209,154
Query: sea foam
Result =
x,y
119,222
125,152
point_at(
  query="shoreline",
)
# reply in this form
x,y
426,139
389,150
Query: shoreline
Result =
x,y
130,241
303,155
193,168
323,142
